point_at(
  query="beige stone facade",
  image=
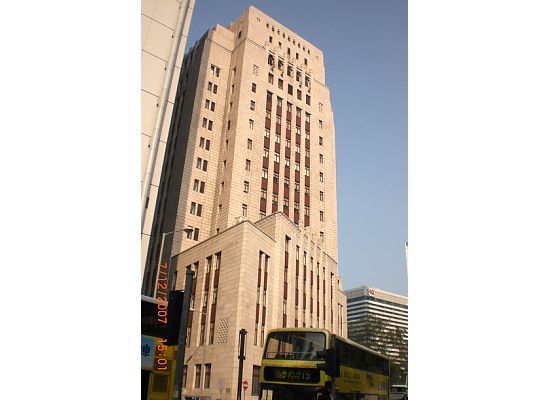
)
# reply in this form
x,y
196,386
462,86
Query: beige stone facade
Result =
x,y
252,134
257,277
249,188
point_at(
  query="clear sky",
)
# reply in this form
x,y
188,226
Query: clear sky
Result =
x,y
365,48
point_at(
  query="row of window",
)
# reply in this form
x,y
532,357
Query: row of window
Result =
x,y
265,258
290,90
288,51
202,336
267,134
210,261
286,203
297,293
297,148
198,376
215,70
206,123
289,110
297,165
287,186
265,172
198,186
202,164
205,384
213,88
193,234
289,69
195,209
286,36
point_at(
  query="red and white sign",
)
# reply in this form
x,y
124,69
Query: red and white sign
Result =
x,y
372,292
245,385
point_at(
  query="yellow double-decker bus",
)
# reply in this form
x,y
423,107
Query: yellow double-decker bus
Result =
x,y
314,364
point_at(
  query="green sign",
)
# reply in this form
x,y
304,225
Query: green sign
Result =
x,y
299,375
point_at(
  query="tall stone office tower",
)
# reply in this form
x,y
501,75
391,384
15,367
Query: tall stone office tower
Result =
x,y
249,187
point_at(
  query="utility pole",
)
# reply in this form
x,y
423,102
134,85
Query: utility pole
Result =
x,y
242,340
180,359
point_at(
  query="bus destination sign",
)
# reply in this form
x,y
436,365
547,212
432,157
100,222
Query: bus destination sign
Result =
x,y
299,375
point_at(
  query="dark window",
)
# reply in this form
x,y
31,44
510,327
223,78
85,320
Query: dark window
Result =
x,y
207,370
198,375
355,357
256,380
184,380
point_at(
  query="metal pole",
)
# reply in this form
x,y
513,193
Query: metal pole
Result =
x,y
242,337
180,357
159,264
333,378
169,269
186,11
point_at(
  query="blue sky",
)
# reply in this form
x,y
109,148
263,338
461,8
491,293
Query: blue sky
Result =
x,y
365,48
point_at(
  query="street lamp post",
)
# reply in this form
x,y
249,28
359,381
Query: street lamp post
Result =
x,y
164,234
242,357
180,357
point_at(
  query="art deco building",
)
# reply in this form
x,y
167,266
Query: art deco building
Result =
x,y
249,187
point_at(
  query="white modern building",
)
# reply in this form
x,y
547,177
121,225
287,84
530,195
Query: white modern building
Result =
x,y
164,29
391,309
369,300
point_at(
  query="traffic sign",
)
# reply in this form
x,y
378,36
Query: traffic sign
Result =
x,y
245,385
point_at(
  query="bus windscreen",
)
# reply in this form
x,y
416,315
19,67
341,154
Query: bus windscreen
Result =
x,y
294,345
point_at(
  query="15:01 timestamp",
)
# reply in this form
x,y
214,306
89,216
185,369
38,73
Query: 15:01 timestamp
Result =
x,y
161,360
